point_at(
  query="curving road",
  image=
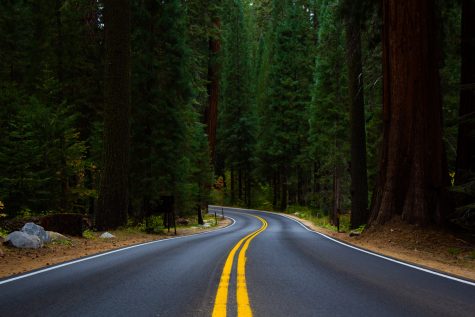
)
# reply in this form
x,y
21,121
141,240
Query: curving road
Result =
x,y
278,266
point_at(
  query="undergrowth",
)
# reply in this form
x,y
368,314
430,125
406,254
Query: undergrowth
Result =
x,y
88,234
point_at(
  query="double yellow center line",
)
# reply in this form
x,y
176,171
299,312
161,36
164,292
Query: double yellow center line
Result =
x,y
242,297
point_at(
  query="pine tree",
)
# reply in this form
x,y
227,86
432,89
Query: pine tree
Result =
x,y
466,137
290,76
328,134
236,118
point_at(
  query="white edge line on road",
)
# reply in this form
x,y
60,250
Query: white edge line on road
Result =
x,y
365,251
109,252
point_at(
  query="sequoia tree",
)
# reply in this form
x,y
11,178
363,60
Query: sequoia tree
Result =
x,y
113,195
413,174
359,178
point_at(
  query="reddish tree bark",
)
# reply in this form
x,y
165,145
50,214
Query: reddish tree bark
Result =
x,y
211,112
466,137
413,171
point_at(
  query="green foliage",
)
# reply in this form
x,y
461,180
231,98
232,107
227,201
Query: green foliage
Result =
x,y
154,224
472,255
454,251
210,219
41,154
66,242
88,234
283,108
360,229
321,219
450,75
328,133
3,233
170,146
236,117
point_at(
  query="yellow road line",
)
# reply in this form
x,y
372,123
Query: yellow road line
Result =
x,y
221,299
243,305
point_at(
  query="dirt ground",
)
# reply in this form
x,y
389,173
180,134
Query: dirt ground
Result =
x,y
430,248
15,261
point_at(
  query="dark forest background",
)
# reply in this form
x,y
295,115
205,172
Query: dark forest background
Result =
x,y
107,106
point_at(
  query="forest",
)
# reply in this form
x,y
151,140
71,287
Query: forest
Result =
x,y
356,109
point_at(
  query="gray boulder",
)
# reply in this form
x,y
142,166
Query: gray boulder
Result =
x,y
23,240
107,235
34,229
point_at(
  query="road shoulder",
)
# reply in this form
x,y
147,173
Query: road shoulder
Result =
x,y
440,252
17,261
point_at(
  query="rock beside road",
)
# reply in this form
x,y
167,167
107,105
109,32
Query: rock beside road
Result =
x,y
31,236
23,240
107,235
56,236
35,230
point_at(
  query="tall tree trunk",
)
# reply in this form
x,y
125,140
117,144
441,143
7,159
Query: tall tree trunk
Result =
x,y
274,190
200,215
240,184
113,195
299,186
248,187
284,190
466,137
233,197
316,181
359,177
334,219
413,173
211,112
147,194
59,42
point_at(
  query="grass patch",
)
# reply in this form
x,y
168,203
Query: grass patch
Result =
x,y
137,229
154,224
320,219
65,242
88,234
360,229
454,251
3,233
471,255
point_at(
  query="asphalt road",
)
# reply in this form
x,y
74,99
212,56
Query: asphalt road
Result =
x,y
289,271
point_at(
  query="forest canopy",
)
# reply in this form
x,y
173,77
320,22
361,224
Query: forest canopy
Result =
x,y
336,107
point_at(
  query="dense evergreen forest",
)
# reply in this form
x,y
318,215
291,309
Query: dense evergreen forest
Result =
x,y
363,109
